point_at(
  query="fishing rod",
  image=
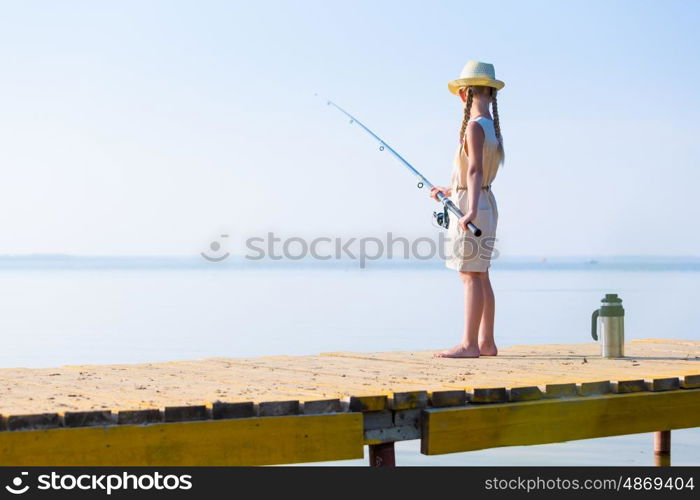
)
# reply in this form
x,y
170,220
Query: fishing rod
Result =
x,y
443,218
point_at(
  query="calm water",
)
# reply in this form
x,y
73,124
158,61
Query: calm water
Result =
x,y
110,313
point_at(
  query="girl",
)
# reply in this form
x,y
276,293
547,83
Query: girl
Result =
x,y
478,157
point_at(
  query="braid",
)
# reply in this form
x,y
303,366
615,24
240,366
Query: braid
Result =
x,y
497,123
467,112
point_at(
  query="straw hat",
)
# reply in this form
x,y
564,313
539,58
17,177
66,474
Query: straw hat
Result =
x,y
476,73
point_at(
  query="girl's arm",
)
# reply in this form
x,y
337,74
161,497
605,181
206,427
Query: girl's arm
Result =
x,y
475,171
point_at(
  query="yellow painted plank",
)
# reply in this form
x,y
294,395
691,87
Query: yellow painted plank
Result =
x,y
247,441
450,430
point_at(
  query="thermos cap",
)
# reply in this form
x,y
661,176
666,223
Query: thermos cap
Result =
x,y
612,306
611,298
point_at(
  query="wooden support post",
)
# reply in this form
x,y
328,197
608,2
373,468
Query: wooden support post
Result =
x,y
382,455
662,448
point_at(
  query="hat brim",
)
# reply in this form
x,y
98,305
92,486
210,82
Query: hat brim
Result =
x,y
455,85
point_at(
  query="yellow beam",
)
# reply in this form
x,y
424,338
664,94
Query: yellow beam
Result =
x,y
450,430
246,441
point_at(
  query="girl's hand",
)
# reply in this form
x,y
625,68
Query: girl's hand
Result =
x,y
440,189
468,217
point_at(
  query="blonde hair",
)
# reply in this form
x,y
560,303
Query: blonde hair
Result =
x,y
481,90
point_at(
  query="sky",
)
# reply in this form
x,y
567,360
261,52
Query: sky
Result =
x,y
150,128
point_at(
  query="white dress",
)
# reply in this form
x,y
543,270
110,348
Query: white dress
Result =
x,y
463,250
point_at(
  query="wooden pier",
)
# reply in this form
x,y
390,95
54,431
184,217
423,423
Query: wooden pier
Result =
x,y
293,409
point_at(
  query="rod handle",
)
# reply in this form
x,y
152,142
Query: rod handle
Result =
x,y
453,208
474,229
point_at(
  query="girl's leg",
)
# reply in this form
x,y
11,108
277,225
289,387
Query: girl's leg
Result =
x,y
487,344
473,311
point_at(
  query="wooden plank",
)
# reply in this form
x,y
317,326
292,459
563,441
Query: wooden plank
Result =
x,y
529,393
132,417
690,381
489,395
449,430
367,403
86,418
377,419
392,434
408,400
222,409
245,441
322,406
448,398
663,384
594,388
554,391
278,408
185,413
33,421
405,425
408,417
627,386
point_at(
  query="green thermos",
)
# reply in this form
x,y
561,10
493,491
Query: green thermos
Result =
x,y
608,323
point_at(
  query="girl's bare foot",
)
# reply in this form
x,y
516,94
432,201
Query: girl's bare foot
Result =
x,y
488,350
459,351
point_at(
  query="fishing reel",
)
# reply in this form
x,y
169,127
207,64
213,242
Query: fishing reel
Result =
x,y
442,218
